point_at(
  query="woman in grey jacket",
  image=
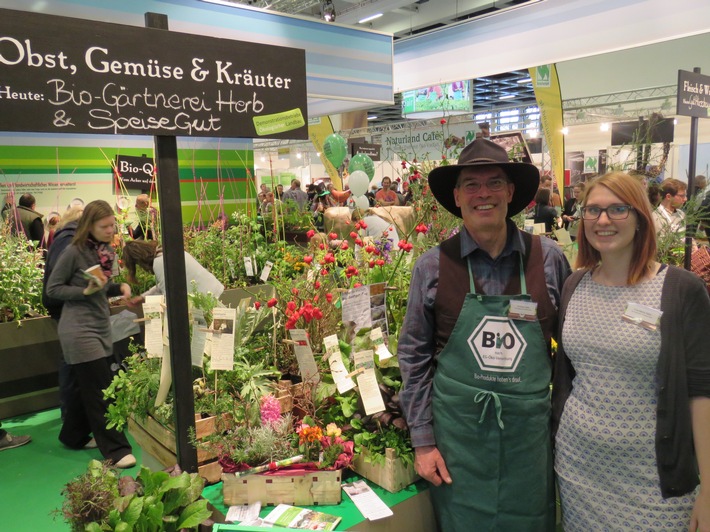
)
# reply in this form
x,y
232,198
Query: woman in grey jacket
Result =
x,y
85,331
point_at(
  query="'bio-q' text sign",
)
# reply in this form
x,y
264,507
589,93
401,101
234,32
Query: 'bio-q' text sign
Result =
x,y
67,75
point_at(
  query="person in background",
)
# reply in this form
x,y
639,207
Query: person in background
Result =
x,y
66,229
10,441
653,191
631,393
85,332
312,193
51,228
546,182
322,202
295,194
668,217
543,211
386,197
149,256
30,219
570,213
371,195
267,206
699,186
147,222
476,377
279,192
400,196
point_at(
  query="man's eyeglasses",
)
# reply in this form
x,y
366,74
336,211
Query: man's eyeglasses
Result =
x,y
493,185
613,212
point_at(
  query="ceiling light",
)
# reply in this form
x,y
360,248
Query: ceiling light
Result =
x,y
368,19
675,121
524,80
372,117
507,97
533,133
604,126
298,155
565,130
328,11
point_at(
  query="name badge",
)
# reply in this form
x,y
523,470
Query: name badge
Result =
x,y
647,317
522,310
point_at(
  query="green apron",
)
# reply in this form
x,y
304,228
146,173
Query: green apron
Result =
x,y
491,411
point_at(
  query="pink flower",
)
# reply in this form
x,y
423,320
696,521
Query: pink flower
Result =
x,y
270,410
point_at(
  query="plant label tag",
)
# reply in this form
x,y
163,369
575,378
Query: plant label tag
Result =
x,y
379,342
152,312
337,367
249,266
370,392
243,512
647,317
522,310
304,356
223,324
199,336
266,271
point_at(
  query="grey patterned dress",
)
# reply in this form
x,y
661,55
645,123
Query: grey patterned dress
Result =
x,y
605,452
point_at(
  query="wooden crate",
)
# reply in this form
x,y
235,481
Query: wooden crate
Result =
x,y
300,489
392,475
158,441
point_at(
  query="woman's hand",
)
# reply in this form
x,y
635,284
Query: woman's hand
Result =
x,y
700,519
126,291
95,285
135,301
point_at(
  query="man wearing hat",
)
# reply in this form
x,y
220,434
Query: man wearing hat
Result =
x,y
476,361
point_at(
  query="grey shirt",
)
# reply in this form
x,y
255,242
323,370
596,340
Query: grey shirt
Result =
x,y
416,346
297,195
84,329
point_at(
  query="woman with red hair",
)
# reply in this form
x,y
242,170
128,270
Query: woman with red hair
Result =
x,y
631,390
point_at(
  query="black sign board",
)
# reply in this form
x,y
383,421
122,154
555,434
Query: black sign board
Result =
x,y
134,172
371,150
693,94
66,75
636,131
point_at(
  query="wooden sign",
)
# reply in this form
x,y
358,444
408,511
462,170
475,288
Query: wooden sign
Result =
x,y
67,75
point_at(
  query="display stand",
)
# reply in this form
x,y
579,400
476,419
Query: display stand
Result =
x,y
411,506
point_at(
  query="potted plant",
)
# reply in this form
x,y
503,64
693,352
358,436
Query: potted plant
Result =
x,y
101,500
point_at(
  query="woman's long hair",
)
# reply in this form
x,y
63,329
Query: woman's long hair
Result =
x,y
630,191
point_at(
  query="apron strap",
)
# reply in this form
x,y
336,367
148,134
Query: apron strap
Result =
x,y
484,396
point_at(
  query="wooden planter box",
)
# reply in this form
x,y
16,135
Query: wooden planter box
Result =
x,y
29,360
158,441
299,489
393,475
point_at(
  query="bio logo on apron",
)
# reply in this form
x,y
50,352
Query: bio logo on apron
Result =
x,y
497,344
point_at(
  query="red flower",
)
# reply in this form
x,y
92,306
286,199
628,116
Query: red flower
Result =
x,y
317,313
316,285
257,305
363,225
329,297
332,236
421,228
370,249
358,242
380,262
321,245
294,291
371,264
310,234
404,164
353,234
307,259
272,302
324,272
291,306
442,121
357,285
329,258
344,245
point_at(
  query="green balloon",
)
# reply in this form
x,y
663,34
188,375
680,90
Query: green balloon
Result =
x,y
335,148
362,162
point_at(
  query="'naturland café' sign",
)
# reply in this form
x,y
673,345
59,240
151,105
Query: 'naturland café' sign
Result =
x,y
66,75
693,94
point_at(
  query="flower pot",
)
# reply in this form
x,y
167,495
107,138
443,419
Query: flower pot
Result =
x,y
392,475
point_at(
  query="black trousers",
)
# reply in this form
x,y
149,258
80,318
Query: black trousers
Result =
x,y
86,409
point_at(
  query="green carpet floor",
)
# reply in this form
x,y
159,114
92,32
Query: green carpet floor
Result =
x,y
34,474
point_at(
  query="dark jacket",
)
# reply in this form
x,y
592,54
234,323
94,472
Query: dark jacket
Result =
x,y
62,240
683,373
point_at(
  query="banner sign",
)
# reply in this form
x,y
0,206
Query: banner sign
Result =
x,y
371,150
67,75
134,172
693,94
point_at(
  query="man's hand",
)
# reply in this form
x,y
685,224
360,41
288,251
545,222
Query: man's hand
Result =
x,y
429,464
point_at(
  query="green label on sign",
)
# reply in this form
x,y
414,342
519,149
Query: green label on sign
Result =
x,y
278,122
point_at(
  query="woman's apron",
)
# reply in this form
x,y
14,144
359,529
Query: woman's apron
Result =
x,y
491,411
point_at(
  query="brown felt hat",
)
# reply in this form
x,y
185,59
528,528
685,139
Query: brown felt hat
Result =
x,y
483,152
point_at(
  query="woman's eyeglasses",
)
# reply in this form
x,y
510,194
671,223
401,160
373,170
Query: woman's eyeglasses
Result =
x,y
613,212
